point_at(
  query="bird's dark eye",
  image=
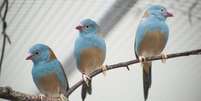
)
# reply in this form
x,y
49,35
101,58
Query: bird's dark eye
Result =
x,y
162,10
87,26
36,53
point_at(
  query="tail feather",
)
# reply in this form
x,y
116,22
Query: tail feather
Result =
x,y
86,89
147,79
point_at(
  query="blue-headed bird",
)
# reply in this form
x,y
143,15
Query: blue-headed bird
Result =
x,y
89,51
150,40
47,72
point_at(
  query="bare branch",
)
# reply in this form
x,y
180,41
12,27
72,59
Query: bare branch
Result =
x,y
126,64
4,5
9,94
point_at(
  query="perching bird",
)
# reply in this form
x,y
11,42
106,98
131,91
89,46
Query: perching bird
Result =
x,y
47,72
151,38
89,51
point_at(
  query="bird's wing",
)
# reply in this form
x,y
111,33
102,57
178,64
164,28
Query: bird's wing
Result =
x,y
66,80
140,33
61,76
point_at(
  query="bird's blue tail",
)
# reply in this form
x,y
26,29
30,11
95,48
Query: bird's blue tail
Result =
x,y
146,78
86,89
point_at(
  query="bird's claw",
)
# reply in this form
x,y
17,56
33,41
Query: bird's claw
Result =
x,y
62,98
86,78
104,69
164,57
142,59
41,97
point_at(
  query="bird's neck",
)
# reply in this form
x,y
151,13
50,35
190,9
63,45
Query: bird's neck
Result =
x,y
161,18
85,34
41,62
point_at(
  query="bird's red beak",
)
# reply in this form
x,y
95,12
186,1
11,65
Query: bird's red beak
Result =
x,y
80,27
168,14
29,57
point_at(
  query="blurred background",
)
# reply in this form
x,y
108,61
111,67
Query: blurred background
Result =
x,y
53,22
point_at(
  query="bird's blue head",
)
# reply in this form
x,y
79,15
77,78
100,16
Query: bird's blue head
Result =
x,y
87,26
158,11
40,53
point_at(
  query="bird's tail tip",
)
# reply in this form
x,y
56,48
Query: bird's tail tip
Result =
x,y
146,79
86,89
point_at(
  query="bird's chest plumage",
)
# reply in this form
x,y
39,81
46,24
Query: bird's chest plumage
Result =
x,y
90,59
152,36
49,84
90,53
47,81
152,44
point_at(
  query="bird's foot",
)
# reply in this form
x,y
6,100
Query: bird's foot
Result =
x,y
86,79
62,98
142,59
41,97
104,69
164,57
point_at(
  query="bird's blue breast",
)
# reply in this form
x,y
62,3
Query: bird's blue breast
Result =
x,y
84,42
43,70
150,25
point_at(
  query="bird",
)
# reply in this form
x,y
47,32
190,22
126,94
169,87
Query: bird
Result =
x,y
150,40
47,72
89,52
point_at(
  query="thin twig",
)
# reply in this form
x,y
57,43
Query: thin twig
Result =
x,y
9,94
4,5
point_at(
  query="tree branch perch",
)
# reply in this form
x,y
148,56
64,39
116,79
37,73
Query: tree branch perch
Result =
x,y
9,94
126,64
